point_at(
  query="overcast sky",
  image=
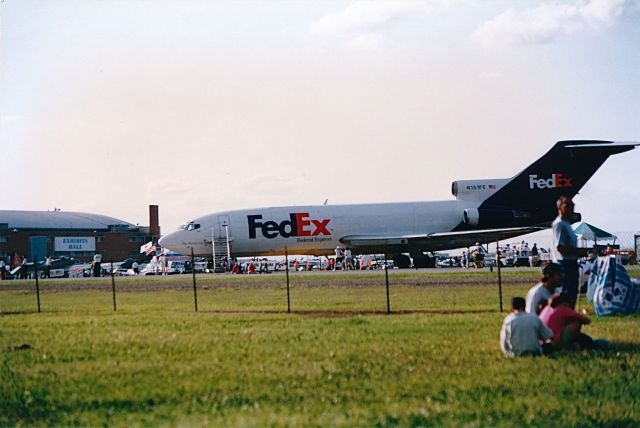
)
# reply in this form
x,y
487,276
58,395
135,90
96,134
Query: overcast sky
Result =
x,y
199,106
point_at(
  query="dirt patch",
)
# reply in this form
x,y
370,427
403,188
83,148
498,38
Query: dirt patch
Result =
x,y
350,313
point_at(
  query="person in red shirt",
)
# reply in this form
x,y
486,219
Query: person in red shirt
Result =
x,y
566,323
251,268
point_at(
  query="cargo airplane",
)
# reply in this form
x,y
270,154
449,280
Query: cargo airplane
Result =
x,y
483,211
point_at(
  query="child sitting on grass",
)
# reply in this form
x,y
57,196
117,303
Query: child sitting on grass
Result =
x,y
523,333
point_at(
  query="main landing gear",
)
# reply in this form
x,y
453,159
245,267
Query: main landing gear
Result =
x,y
420,260
401,261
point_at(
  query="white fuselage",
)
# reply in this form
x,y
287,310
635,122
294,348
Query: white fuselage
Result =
x,y
483,211
313,230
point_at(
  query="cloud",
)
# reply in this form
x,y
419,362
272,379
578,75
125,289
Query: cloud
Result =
x,y
12,125
363,23
548,21
366,41
10,119
491,75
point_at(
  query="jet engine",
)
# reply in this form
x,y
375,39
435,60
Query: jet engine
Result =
x,y
476,190
471,216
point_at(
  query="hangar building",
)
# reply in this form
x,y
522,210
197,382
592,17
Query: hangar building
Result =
x,y
35,234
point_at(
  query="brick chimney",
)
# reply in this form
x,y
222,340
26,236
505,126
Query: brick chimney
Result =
x,y
154,224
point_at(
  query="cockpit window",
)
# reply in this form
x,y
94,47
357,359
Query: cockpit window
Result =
x,y
189,226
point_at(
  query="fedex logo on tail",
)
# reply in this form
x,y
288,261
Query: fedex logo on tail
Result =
x,y
299,224
556,180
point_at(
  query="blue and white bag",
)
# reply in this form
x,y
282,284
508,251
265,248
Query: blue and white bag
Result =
x,y
611,289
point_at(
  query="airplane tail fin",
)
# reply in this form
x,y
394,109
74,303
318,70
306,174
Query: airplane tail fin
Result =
x,y
531,195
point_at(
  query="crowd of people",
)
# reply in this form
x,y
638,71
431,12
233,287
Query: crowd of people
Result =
x,y
517,254
343,260
252,267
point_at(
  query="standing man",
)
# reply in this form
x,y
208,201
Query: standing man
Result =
x,y
339,258
348,259
96,265
47,266
478,256
533,258
23,268
564,250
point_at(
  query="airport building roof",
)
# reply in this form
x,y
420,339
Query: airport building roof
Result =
x,y
61,220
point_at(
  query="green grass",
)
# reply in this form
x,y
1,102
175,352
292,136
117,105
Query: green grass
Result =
x,y
337,360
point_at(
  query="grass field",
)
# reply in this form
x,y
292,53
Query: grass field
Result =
x,y
338,359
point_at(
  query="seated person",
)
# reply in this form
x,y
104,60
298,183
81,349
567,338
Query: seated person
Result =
x,y
566,323
539,295
522,333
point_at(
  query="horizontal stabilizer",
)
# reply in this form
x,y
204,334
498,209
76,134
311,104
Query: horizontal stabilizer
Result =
x,y
626,145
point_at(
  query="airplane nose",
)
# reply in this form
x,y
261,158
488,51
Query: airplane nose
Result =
x,y
166,241
177,242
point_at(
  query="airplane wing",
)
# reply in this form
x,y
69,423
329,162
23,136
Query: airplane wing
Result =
x,y
435,241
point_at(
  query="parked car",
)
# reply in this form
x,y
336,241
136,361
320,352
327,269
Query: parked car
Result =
x,y
448,262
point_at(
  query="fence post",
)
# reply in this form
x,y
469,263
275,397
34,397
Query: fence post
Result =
x,y
499,272
113,286
195,290
35,264
386,279
286,263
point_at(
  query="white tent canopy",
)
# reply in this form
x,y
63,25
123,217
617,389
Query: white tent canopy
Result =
x,y
587,232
